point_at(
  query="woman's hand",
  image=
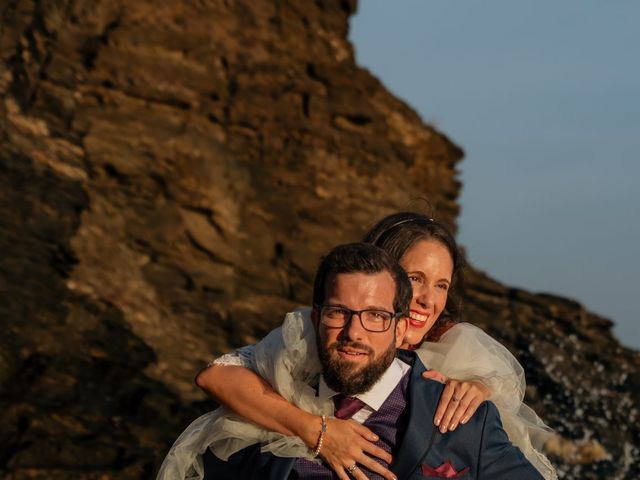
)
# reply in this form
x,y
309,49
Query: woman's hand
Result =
x,y
347,443
459,400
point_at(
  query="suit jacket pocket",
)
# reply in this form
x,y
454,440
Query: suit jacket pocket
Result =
x,y
445,470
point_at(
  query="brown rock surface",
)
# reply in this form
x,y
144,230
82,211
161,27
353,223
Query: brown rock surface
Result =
x,y
171,172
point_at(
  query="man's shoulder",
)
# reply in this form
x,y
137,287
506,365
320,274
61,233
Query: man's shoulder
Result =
x,y
417,369
431,390
411,358
422,394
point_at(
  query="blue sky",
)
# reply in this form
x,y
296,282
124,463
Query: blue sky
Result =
x,y
544,96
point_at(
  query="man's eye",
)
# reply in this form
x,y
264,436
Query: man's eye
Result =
x,y
337,313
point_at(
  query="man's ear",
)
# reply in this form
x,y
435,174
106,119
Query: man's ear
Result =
x,y
402,324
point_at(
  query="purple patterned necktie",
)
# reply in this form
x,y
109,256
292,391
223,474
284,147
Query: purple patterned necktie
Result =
x,y
346,406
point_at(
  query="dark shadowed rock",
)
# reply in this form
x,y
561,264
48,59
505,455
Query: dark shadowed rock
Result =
x,y
171,172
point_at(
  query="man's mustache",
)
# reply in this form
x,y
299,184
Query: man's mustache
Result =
x,y
354,345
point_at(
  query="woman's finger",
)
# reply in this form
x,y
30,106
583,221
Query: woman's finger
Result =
x,y
435,375
458,391
445,398
460,410
481,393
471,409
378,452
358,474
340,471
365,444
458,402
376,467
365,432
353,470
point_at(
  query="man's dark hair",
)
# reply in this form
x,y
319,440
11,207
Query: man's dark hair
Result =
x,y
362,258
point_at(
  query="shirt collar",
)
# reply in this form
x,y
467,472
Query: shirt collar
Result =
x,y
380,390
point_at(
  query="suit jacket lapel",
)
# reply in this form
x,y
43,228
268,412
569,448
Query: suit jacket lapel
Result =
x,y
422,396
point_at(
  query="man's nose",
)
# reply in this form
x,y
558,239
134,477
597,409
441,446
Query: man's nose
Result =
x,y
353,329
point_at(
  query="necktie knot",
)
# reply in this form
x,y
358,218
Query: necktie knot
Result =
x,y
346,406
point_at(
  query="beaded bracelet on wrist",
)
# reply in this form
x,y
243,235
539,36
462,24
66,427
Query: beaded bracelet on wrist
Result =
x,y
323,430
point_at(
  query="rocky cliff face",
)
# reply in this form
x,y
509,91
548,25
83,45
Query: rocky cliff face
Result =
x,y
171,172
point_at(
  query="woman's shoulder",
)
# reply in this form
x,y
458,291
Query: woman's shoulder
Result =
x,y
466,333
467,346
465,328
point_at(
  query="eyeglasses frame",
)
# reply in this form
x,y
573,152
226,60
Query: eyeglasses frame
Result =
x,y
394,316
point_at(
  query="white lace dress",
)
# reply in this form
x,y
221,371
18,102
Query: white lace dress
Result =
x,y
287,359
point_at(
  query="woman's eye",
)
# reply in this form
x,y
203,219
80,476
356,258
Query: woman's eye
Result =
x,y
443,286
414,278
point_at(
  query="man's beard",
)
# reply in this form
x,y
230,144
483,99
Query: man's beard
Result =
x,y
344,376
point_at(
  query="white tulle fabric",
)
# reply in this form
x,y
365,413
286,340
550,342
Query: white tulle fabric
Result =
x,y
465,352
287,358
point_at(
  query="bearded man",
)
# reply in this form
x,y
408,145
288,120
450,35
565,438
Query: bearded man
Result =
x,y
361,299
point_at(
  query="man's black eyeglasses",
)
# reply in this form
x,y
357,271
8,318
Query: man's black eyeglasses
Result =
x,y
371,320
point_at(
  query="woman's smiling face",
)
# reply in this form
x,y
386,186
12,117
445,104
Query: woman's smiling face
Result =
x,y
429,266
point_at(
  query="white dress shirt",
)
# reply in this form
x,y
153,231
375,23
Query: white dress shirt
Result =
x,y
377,394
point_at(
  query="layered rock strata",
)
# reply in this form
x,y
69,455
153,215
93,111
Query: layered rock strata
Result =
x,y
171,172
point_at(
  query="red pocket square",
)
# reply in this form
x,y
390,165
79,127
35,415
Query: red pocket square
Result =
x,y
445,470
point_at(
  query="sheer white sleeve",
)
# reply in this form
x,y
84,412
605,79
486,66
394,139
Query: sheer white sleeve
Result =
x,y
466,352
287,358
241,357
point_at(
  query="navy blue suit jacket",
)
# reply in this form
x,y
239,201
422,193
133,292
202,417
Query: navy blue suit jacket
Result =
x,y
481,444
